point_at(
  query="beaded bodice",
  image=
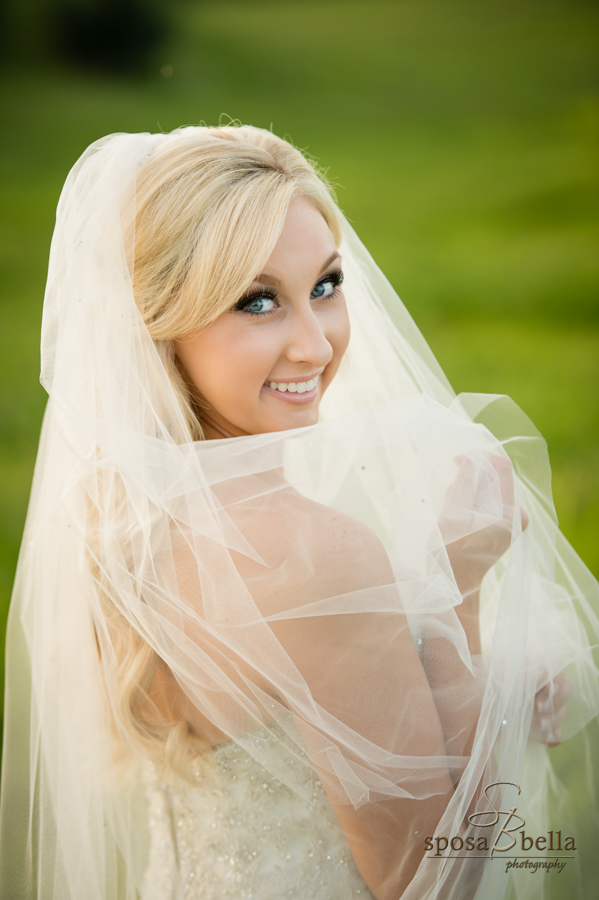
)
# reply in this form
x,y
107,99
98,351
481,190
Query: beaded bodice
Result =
x,y
242,833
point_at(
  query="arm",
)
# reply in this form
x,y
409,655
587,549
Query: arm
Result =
x,y
470,557
476,524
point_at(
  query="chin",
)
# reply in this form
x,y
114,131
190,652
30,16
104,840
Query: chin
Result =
x,y
286,423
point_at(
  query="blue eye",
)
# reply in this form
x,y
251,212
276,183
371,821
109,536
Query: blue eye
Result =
x,y
324,289
261,304
328,286
257,305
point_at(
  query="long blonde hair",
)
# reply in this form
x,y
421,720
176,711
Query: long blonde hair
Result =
x,y
210,205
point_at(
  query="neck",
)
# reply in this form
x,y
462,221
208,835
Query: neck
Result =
x,y
212,430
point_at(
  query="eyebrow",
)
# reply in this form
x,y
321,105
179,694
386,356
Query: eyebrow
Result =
x,y
266,279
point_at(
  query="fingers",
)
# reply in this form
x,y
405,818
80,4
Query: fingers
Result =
x,y
503,467
548,724
464,485
550,710
556,739
554,694
547,731
467,470
471,478
477,518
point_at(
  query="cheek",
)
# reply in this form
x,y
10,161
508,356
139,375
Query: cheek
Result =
x,y
226,364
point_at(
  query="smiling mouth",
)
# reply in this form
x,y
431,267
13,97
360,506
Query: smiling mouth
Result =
x,y
293,387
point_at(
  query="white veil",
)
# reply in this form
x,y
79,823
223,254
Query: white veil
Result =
x,y
305,578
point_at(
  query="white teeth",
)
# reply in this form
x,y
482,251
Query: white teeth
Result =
x,y
300,387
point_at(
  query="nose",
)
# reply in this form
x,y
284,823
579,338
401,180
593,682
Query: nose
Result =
x,y
307,341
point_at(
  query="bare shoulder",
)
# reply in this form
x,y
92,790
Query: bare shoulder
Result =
x,y
344,549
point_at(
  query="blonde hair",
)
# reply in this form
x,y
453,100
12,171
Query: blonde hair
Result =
x,y
209,208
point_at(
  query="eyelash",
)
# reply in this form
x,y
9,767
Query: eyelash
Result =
x,y
336,278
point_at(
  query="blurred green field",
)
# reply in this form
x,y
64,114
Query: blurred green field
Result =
x,y
462,136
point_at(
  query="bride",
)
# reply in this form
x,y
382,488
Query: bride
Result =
x,y
290,618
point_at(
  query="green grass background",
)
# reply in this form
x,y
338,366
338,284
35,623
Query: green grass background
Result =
x,y
462,136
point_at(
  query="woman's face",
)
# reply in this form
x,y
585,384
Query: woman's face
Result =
x,y
264,364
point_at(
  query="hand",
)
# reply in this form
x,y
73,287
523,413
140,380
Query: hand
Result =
x,y
476,520
550,710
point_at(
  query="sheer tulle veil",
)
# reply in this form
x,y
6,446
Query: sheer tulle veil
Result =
x,y
215,555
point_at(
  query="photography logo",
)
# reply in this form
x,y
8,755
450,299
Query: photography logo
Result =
x,y
528,852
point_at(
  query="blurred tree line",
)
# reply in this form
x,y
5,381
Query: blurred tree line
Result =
x,y
118,36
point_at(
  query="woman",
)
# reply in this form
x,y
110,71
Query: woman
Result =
x,y
267,642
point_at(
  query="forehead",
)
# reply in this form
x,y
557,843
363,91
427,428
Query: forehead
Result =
x,y
305,235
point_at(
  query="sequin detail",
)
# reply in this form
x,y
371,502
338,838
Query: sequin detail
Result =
x,y
242,833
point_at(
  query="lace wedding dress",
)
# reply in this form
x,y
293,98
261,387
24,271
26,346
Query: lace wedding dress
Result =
x,y
241,833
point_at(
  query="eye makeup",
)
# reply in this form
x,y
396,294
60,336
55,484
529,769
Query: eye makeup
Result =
x,y
253,297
